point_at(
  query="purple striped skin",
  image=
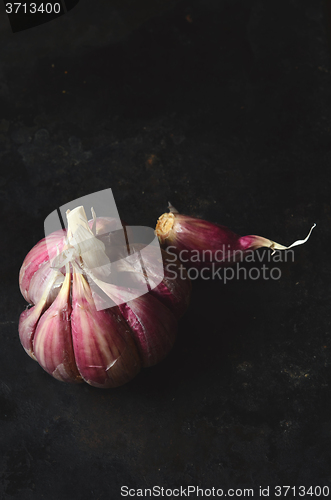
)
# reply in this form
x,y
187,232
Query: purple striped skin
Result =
x,y
52,343
199,243
174,291
27,326
76,343
105,352
173,297
153,325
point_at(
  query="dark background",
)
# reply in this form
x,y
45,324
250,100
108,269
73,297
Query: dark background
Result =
x,y
223,108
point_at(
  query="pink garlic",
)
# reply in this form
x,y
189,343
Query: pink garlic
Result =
x,y
66,332
199,243
30,317
52,342
153,326
105,351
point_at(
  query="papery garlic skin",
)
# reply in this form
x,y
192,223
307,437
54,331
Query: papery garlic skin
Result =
x,y
174,291
153,325
40,257
30,317
44,251
103,225
105,352
39,282
52,342
27,326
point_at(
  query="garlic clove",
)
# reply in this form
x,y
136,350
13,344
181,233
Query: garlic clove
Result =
x,y
27,326
153,325
195,241
30,317
39,282
52,342
105,351
190,233
200,243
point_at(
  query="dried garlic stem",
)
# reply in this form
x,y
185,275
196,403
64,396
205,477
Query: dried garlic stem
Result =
x,y
76,218
276,246
87,246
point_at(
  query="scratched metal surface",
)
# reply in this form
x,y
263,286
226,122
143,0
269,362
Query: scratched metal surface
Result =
x,y
223,108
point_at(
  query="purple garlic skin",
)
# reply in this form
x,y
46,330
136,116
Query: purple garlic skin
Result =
x,y
199,243
27,326
174,291
105,351
52,342
153,326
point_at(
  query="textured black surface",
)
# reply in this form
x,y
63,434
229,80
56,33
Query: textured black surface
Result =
x,y
223,108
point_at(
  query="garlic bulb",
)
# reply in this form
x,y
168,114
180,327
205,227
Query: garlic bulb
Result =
x,y
71,331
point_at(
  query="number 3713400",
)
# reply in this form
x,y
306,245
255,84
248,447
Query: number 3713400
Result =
x,y
33,8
